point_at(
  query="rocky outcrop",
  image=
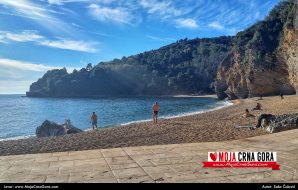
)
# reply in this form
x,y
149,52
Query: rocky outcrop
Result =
x,y
246,79
273,124
263,60
288,53
49,129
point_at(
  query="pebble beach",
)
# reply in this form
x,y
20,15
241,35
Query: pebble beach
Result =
x,y
213,126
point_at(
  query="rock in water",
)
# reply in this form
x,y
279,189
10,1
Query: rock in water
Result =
x,y
50,129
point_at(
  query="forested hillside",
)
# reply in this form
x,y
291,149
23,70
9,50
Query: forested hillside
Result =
x,y
184,67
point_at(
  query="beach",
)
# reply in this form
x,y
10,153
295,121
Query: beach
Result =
x,y
213,126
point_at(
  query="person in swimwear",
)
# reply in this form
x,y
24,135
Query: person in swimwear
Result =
x,y
93,120
247,114
155,109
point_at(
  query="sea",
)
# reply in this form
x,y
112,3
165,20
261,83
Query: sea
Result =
x,y
21,115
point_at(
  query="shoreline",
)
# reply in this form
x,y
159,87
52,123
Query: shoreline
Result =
x,y
18,138
226,103
195,96
124,96
213,126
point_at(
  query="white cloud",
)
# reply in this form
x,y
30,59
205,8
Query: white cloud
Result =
x,y
216,25
187,23
56,12
70,45
160,39
168,11
26,7
25,36
33,36
16,76
23,65
171,12
14,87
106,14
43,16
17,15
56,2
61,2
164,8
76,25
2,39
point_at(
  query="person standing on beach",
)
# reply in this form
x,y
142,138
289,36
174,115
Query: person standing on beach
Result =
x,y
93,120
155,109
281,96
261,98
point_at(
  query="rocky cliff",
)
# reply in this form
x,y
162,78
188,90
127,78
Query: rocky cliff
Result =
x,y
263,60
288,53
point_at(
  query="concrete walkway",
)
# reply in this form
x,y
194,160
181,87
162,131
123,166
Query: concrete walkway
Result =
x,y
154,164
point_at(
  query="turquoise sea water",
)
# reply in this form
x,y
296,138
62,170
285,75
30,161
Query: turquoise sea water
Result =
x,y
19,115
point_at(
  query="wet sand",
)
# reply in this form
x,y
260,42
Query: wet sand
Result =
x,y
214,126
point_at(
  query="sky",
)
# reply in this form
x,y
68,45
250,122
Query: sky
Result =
x,y
38,35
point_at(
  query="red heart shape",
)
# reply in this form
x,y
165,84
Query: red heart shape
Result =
x,y
213,156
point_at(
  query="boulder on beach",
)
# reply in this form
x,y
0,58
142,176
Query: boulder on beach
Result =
x,y
70,129
50,129
276,123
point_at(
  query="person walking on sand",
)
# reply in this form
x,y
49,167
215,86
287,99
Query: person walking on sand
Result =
x,y
155,109
281,96
93,120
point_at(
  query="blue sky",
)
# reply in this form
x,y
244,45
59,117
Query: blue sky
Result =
x,y
37,35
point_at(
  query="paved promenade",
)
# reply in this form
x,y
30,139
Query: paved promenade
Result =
x,y
154,164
